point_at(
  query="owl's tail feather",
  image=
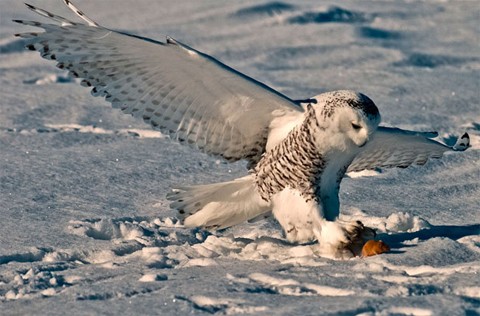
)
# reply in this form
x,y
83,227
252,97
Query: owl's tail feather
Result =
x,y
218,205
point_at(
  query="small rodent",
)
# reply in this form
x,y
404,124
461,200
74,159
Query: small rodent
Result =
x,y
374,247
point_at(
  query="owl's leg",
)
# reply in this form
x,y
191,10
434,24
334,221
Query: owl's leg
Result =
x,y
330,205
339,238
300,219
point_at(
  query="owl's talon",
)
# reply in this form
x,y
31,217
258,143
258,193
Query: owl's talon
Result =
x,y
351,236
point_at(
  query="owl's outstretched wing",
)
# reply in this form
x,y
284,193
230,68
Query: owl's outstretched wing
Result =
x,y
394,147
178,90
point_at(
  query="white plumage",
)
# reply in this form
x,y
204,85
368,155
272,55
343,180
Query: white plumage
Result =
x,y
298,152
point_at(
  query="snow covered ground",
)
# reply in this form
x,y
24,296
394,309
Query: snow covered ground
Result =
x,y
84,223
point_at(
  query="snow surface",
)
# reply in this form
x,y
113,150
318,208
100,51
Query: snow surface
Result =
x,y
85,226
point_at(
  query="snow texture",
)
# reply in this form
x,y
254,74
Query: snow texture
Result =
x,y
86,227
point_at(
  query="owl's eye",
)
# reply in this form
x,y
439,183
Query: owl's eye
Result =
x,y
356,126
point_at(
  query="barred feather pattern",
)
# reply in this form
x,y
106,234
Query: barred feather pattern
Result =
x,y
393,147
295,163
182,92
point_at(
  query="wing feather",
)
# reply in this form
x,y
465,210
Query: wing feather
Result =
x,y
178,90
394,147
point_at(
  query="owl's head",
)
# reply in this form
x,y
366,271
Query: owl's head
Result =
x,y
347,113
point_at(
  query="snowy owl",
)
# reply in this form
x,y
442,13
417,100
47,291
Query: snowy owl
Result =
x,y
297,151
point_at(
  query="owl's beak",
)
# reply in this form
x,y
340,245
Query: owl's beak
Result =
x,y
365,141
